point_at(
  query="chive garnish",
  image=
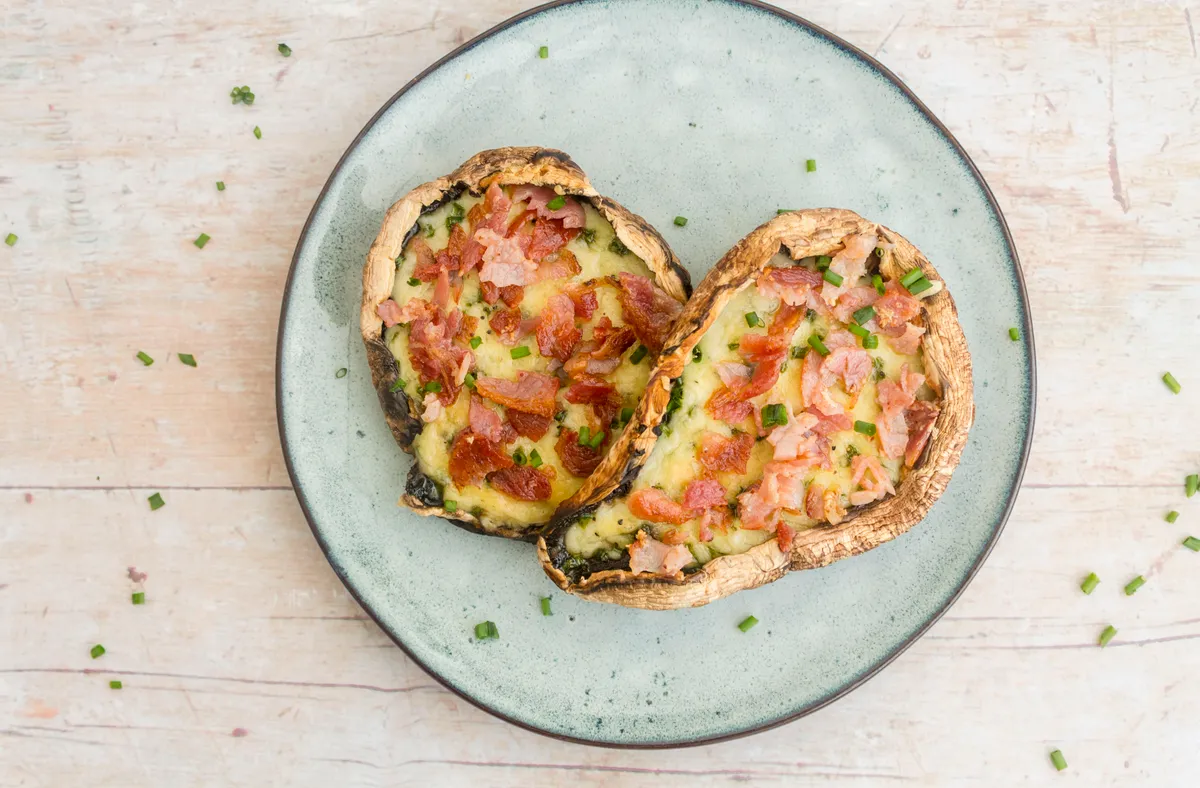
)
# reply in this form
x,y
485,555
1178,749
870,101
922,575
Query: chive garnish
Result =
x,y
397,386
779,211
285,50
486,630
1191,484
920,286
257,133
1171,382
798,352
560,415
546,606
428,229
734,345
747,623
864,428
242,95
597,439
681,221
863,315
97,651
556,203
114,685
201,240
139,597
535,459
697,354
1133,585
145,359
519,457
156,501
638,354
469,379
858,331
11,239
1058,760
187,358
774,415
832,277
870,342
1172,516
1089,583
413,281
753,320
1107,635
543,52
626,414
811,165
588,235
823,262
432,387
220,186
877,364
450,506
519,352
877,280
476,342
585,435
616,247
1192,543
816,344
341,373
1014,334
910,276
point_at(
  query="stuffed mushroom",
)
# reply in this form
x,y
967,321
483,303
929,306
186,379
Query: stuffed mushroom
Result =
x,y
512,317
821,398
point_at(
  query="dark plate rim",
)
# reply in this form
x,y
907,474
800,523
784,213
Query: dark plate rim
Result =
x,y
1026,336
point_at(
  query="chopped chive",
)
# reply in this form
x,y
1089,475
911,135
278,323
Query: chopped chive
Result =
x,y
145,359
242,95
864,428
1171,382
139,597
697,354
626,414
1014,334
589,236
543,52
638,354
11,239
681,221
156,501
450,506
486,630
920,286
863,315
753,320
1192,543
476,342
558,202
341,373
1133,585
432,387
832,277
257,133
519,457
734,345
114,685
1191,484
774,415
747,623
779,211
220,186
877,280
617,247
397,386
469,379
597,439
911,276
823,262
879,251
285,50
187,358
858,331
559,416
546,606
877,363
519,352
201,240
798,352
413,281
870,342
1107,635
97,651
535,459
1089,583
585,435
811,165
816,344
1172,516
428,229
1058,760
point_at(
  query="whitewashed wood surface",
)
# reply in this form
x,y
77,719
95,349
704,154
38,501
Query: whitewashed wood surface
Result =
x,y
114,124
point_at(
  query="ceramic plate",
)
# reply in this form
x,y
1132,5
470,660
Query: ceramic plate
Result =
x,y
673,107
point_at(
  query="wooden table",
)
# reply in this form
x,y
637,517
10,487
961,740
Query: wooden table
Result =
x,y
115,123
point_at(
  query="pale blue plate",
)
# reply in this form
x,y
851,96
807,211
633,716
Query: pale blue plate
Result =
x,y
701,109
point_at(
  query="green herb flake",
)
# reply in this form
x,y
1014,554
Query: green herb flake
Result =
x,y
585,434
220,186
616,247
145,359
486,630
1172,516
747,623
1171,382
414,282
138,598
188,359
450,506
816,344
734,345
156,502
519,457
1058,760
823,262
870,342
753,320
97,651
115,685
877,363
543,52
519,352
697,354
1107,635
858,331
638,354
810,165
397,385
1014,334
201,240
597,439
1089,583
1133,585
557,202
427,229
432,387
469,379
832,277
11,239
681,221
920,286
476,342
257,133
863,315
1192,543
242,95
535,459
1191,484
589,236
545,602
285,50
780,211
774,415
341,373
911,276
865,428
798,352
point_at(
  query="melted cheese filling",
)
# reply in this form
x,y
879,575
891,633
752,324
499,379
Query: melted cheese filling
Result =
x,y
673,461
494,359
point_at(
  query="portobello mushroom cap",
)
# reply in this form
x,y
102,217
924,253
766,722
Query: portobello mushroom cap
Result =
x,y
801,234
505,166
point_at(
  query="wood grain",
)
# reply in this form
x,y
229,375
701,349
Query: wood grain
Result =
x,y
114,125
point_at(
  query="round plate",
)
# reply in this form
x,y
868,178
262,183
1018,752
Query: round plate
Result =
x,y
706,110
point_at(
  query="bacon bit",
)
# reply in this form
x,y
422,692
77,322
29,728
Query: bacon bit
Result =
x,y
853,300
529,425
472,252
648,555
647,309
784,534
726,405
506,325
840,338
675,536
852,365
870,475
512,294
522,482
827,425
135,575
891,397
549,235
657,507
239,733
718,453
812,388
896,307
795,438
473,457
425,267
558,265
504,262
571,214
578,460
787,318
851,263
390,313
433,353
792,285
431,408
733,374
441,290
814,502
834,511
717,517
531,392
703,494
467,330
556,331
919,419
754,511
484,421
783,482
909,342
496,206
605,400
585,301
892,432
